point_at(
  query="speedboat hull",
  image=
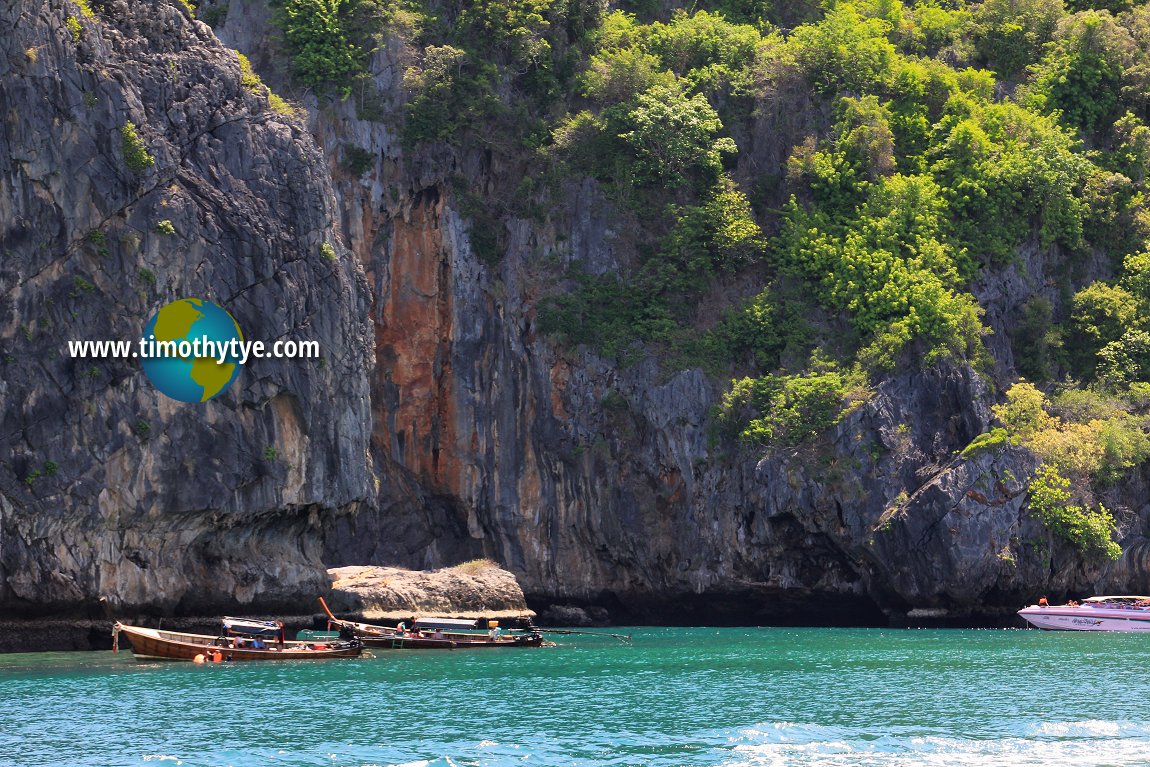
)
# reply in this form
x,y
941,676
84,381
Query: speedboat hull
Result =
x,y
1086,618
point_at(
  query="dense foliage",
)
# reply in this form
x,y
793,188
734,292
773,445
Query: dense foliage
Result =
x,y
843,177
1086,439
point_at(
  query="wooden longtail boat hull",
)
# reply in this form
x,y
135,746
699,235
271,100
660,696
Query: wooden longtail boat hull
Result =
x,y
156,644
397,642
387,638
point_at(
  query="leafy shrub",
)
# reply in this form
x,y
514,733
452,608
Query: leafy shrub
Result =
x,y
518,26
615,76
1010,34
1084,405
940,31
1130,154
1136,275
166,227
329,40
282,106
136,155
1024,411
1101,314
721,234
759,332
788,410
705,49
753,12
1125,446
607,314
1005,171
248,77
85,7
844,52
451,91
675,138
1081,74
888,269
1126,360
1074,448
1091,437
1089,531
994,439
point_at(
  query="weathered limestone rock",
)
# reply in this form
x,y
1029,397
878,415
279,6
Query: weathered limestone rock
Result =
x,y
471,590
106,486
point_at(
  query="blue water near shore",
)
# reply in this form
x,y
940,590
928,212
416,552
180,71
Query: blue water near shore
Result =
x,y
675,697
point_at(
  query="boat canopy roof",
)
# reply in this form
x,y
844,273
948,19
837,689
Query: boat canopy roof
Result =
x,y
445,623
252,628
1124,599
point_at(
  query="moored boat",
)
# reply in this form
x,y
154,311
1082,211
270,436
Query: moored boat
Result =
x,y
1104,613
239,640
433,634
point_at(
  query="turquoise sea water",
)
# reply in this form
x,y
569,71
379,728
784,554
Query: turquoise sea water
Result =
x,y
674,697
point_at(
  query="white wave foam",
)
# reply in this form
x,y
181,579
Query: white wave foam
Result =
x,y
1092,728
1076,744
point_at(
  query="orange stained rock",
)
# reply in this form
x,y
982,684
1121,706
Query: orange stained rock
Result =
x,y
413,328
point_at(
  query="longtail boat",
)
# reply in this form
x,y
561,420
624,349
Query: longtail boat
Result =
x,y
432,634
239,640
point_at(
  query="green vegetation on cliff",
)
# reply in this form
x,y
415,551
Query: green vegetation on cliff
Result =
x,y
1086,440
136,154
848,179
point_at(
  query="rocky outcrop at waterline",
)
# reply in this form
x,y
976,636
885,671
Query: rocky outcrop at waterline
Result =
x,y
471,590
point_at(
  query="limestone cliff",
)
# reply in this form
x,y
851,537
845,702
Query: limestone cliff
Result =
x,y
442,422
106,486
601,484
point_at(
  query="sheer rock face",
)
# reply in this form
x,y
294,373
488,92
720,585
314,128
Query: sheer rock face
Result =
x,y
106,486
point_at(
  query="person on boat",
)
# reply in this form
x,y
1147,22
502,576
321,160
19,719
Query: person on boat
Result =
x,y
258,644
495,634
438,634
1042,602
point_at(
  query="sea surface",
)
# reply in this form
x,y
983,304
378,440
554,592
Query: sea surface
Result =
x,y
731,696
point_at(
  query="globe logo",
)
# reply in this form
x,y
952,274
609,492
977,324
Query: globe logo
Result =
x,y
184,353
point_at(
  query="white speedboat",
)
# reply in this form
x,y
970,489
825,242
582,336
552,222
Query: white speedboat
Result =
x,y
1115,613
